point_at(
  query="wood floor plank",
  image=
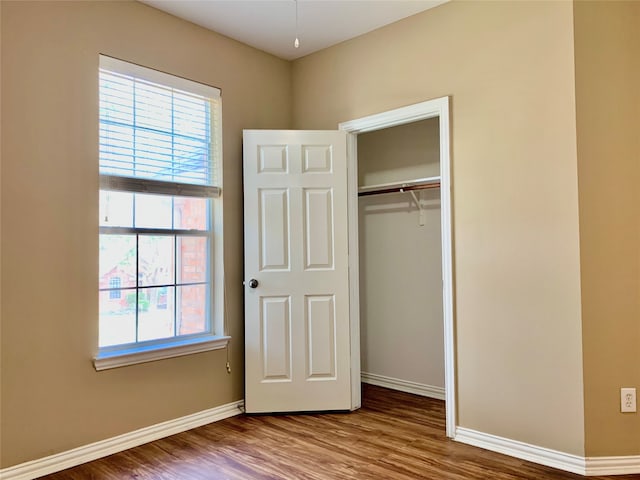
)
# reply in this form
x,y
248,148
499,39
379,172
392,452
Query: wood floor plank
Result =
x,y
394,435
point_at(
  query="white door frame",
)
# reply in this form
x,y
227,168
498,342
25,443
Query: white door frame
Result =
x,y
438,107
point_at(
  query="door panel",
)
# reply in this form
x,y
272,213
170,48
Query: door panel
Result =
x,y
321,344
297,350
274,228
275,315
273,159
318,222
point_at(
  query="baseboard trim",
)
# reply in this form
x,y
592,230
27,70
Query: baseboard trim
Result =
x,y
589,466
93,451
596,466
524,451
403,385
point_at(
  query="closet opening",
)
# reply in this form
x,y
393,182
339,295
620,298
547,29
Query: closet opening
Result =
x,y
400,252
400,228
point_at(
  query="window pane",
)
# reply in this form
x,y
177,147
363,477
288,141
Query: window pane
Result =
x,y
117,260
156,313
191,213
117,317
191,160
153,211
116,149
116,99
115,283
116,209
154,157
192,259
153,106
192,309
156,259
191,116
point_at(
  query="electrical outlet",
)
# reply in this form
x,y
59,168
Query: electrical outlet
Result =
x,y
627,399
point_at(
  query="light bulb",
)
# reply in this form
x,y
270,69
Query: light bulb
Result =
x,y
296,42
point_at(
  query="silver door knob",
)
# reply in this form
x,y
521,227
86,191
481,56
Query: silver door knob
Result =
x,y
253,283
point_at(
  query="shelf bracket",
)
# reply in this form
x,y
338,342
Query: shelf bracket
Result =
x,y
423,214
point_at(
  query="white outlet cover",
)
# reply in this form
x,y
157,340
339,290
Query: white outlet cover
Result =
x,y
628,400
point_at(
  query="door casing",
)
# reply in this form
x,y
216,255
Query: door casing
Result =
x,y
438,107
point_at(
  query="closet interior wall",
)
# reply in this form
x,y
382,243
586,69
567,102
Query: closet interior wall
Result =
x,y
401,261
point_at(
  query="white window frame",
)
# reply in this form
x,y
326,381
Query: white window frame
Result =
x,y
135,353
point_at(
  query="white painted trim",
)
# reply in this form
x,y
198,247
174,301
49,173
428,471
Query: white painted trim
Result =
x,y
155,76
178,348
404,385
596,466
438,107
589,466
524,451
354,270
398,116
93,451
447,265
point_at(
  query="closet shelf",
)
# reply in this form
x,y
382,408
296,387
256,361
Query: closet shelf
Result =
x,y
406,186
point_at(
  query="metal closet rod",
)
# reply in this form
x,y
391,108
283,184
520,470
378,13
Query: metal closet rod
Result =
x,y
419,184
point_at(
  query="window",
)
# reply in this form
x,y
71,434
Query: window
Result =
x,y
161,284
114,286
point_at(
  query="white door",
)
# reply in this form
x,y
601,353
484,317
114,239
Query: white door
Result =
x,y
297,350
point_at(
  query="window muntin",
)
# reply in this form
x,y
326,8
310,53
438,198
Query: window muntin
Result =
x,y
156,137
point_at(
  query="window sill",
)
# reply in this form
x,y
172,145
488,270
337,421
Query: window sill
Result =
x,y
134,356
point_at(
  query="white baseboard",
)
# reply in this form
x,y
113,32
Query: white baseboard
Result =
x,y
524,451
93,451
590,466
613,465
403,385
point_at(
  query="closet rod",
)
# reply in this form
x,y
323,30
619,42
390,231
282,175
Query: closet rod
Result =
x,y
422,184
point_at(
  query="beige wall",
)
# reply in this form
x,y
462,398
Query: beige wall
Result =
x,y
1,357
399,153
607,49
52,398
401,319
509,69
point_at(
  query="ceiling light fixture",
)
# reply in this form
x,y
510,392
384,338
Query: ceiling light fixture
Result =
x,y
296,42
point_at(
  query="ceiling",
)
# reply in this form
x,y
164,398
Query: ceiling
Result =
x,y
270,25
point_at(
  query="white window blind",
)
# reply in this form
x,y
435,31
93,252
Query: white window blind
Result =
x,y
155,136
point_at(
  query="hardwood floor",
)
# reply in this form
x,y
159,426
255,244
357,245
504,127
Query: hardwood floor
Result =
x,y
393,436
